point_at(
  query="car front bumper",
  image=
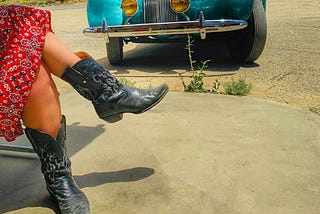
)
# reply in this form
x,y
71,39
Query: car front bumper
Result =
x,y
201,27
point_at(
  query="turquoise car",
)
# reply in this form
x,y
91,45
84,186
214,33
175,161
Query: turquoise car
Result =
x,y
241,24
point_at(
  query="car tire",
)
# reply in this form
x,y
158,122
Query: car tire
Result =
x,y
247,45
115,51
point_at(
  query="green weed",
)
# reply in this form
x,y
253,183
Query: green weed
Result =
x,y
315,110
196,84
127,82
238,87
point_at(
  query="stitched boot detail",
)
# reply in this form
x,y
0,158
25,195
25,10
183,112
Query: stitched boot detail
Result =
x,y
56,168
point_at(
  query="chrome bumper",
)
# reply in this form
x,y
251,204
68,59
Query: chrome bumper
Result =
x,y
201,27
16,148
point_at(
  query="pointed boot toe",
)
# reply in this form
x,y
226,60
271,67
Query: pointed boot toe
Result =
x,y
109,97
133,100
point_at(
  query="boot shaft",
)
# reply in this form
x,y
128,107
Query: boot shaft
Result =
x,y
56,168
109,97
52,152
93,81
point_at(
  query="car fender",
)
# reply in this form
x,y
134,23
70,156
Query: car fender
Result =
x,y
110,10
221,9
98,10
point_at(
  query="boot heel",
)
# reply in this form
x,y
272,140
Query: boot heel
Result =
x,y
113,118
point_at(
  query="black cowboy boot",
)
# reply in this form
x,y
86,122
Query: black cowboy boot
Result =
x,y
109,97
56,168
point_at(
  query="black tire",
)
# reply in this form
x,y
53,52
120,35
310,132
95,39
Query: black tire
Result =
x,y
247,45
115,51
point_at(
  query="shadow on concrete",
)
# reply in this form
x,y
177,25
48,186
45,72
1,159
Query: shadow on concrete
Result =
x,y
169,57
128,175
86,133
22,184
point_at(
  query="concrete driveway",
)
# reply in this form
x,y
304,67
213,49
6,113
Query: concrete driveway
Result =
x,y
193,153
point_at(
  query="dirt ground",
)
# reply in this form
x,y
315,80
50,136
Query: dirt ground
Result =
x,y
289,68
287,72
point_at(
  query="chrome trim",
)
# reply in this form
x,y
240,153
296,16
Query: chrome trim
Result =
x,y
16,148
186,18
158,11
166,28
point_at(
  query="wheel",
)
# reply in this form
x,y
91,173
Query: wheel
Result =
x,y
115,51
247,45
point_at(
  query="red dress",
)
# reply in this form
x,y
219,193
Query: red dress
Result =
x,y
22,34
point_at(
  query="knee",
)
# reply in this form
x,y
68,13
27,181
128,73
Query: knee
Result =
x,y
42,109
43,83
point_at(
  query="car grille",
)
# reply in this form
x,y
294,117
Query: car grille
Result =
x,y
159,11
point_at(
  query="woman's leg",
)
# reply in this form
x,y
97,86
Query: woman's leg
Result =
x,y
42,110
110,98
57,56
46,130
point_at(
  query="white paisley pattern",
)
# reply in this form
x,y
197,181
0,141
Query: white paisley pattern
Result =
x,y
22,34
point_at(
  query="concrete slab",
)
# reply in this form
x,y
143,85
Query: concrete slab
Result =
x,y
193,153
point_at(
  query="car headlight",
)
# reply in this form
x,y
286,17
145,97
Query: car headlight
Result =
x,y
180,6
129,7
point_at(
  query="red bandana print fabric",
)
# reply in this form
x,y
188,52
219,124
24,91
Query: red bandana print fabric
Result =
x,y
22,34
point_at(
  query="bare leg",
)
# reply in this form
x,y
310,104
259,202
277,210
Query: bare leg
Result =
x,y
57,56
62,62
42,110
42,116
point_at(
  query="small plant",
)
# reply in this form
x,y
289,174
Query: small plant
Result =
x,y
196,84
150,86
127,82
315,110
238,87
216,86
